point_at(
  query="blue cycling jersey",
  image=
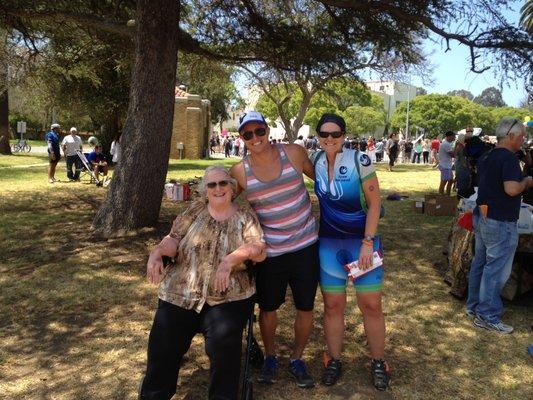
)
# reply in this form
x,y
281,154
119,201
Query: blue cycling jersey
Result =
x,y
342,203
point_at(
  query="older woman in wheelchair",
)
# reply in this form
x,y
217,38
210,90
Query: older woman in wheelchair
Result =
x,y
206,290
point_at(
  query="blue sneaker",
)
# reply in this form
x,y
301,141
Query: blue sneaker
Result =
x,y
269,370
298,369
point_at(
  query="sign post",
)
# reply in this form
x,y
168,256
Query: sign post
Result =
x,y
21,128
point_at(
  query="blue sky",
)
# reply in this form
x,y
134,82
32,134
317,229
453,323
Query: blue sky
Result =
x,y
452,70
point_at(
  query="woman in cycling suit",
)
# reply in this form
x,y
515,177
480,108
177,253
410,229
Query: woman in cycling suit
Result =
x,y
350,204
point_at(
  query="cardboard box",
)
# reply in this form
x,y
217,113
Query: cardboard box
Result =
x,y
418,206
439,205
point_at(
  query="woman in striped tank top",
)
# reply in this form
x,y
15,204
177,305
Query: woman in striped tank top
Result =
x,y
271,177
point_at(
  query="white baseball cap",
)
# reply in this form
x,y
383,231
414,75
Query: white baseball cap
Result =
x,y
73,129
53,126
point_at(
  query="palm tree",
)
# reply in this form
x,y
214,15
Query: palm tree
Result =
x,y
526,16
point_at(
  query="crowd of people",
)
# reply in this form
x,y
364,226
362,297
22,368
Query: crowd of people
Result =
x,y
72,146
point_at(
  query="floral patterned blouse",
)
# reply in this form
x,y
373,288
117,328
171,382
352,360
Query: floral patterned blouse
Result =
x,y
204,241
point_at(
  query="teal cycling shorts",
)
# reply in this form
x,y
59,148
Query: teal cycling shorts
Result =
x,y
334,254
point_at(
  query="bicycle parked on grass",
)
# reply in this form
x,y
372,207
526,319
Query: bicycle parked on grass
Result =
x,y
21,146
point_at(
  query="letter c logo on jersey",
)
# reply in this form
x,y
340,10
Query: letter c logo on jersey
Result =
x,y
364,160
343,170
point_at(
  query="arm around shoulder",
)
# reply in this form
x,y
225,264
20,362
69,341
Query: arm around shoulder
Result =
x,y
298,156
237,173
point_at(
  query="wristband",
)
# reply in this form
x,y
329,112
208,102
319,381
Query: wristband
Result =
x,y
368,243
370,238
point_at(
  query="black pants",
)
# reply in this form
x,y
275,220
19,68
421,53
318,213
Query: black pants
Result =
x,y
170,338
425,156
392,157
416,157
73,161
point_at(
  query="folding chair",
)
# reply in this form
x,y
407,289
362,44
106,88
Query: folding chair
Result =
x,y
87,168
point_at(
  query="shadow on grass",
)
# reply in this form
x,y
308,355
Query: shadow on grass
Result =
x,y
76,311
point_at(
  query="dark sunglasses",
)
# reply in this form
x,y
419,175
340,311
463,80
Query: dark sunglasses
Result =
x,y
212,185
247,135
334,135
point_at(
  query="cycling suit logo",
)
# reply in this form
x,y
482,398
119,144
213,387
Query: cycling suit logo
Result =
x,y
343,170
364,160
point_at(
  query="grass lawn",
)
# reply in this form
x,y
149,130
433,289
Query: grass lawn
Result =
x,y
75,312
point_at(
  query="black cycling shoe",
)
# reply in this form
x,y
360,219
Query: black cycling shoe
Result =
x,y
380,374
333,371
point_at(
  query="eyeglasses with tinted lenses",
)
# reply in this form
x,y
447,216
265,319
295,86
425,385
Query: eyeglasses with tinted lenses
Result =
x,y
212,185
247,135
335,135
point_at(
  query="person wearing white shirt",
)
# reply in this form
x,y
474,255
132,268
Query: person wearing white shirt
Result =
x,y
70,144
300,141
446,163
116,150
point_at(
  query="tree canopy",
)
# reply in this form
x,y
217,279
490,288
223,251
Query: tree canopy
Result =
x,y
490,97
380,34
437,113
466,94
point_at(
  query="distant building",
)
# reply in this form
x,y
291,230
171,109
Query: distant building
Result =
x,y
191,127
392,93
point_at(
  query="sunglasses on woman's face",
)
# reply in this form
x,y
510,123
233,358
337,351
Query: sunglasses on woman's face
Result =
x,y
334,135
212,185
247,135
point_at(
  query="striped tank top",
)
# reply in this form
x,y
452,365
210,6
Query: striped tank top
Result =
x,y
283,208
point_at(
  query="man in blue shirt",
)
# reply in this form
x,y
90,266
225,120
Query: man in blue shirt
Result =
x,y
52,140
99,162
498,206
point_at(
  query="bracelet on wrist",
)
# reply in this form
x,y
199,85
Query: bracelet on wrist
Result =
x,y
367,243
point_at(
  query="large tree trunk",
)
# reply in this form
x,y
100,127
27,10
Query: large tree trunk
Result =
x,y
136,191
4,103
5,148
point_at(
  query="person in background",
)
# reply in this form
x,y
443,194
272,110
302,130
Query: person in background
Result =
x,y
446,162
206,291
463,175
379,150
300,141
363,144
417,151
70,144
116,148
435,145
408,151
501,185
99,162
348,192
392,148
227,146
54,155
426,147
371,149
